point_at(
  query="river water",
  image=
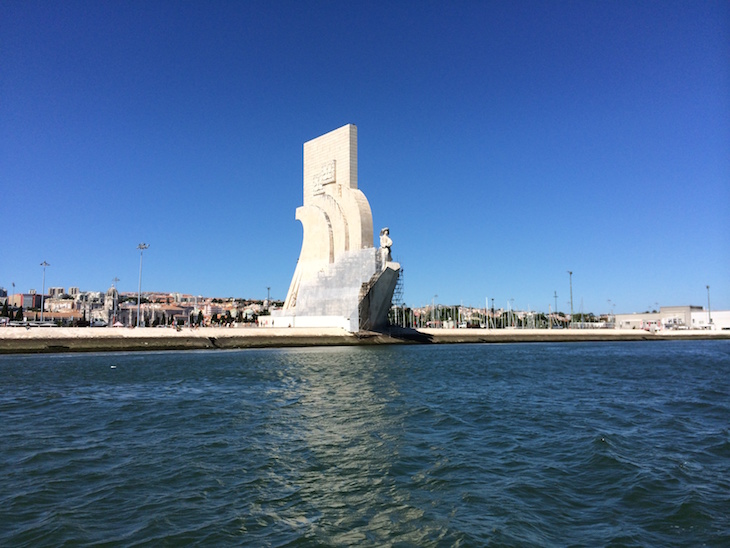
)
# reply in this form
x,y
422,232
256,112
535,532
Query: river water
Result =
x,y
586,444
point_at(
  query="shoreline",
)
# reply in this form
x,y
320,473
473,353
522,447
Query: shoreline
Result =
x,y
15,340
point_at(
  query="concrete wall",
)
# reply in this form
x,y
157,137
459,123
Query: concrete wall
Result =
x,y
720,320
306,321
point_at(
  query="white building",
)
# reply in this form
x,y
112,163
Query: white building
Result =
x,y
675,317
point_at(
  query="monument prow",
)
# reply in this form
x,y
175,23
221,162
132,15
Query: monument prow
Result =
x,y
341,279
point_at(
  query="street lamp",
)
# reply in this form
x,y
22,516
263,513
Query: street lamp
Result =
x,y
115,302
486,312
709,310
433,310
141,248
44,264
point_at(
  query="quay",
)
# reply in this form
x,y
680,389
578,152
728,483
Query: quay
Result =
x,y
15,340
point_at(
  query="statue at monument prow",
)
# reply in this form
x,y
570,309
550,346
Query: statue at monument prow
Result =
x,y
341,279
385,244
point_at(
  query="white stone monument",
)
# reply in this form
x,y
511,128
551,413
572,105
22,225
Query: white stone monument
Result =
x,y
341,279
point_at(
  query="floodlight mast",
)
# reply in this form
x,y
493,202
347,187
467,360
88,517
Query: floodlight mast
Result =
x,y
115,303
44,264
141,248
709,310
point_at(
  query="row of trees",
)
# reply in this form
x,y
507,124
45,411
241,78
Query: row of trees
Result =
x,y
17,315
227,318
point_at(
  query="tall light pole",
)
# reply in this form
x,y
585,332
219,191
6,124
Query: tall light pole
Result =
x,y
141,248
433,310
570,273
709,310
115,302
486,312
44,264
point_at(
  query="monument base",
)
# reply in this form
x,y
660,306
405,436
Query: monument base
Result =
x,y
353,293
276,319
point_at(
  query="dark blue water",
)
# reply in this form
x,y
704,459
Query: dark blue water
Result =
x,y
473,445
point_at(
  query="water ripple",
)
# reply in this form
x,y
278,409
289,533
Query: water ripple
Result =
x,y
474,445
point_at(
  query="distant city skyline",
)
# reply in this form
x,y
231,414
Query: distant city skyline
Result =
x,y
158,296
503,145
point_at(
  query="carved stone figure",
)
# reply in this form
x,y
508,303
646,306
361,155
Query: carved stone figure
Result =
x,y
385,244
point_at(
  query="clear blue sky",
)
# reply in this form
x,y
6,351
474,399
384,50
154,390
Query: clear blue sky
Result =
x,y
503,143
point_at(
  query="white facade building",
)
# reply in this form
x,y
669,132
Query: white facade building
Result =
x,y
675,317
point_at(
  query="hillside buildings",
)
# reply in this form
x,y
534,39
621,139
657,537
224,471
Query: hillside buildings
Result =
x,y
112,307
75,307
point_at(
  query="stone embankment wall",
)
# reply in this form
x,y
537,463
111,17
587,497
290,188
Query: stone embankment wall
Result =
x,y
44,340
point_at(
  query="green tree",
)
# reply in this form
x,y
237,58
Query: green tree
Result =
x,y
5,312
19,314
201,319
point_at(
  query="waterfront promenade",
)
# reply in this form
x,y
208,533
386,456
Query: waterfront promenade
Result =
x,y
84,339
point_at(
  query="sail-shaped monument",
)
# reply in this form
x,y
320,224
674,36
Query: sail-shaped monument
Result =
x,y
341,278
